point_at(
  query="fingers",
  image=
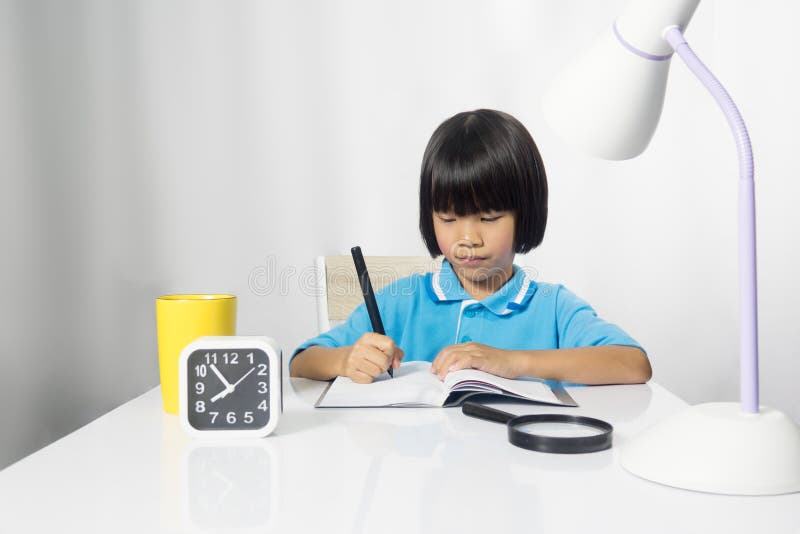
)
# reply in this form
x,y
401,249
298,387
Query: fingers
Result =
x,y
452,358
366,360
476,356
464,356
397,358
360,377
381,342
386,345
371,356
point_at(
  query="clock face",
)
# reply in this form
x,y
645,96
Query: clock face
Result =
x,y
228,389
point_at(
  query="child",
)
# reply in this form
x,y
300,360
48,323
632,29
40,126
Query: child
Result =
x,y
483,198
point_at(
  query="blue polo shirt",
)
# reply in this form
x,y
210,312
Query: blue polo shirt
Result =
x,y
425,313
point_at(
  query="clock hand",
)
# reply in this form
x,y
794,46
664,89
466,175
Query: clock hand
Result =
x,y
228,485
245,376
228,386
219,375
221,394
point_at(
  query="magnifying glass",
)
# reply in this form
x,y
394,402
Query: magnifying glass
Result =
x,y
546,432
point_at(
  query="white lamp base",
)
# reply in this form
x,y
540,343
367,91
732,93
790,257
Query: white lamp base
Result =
x,y
717,448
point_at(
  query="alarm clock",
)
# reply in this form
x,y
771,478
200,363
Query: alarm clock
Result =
x,y
230,386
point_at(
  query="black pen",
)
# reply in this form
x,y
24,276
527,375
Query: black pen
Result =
x,y
369,295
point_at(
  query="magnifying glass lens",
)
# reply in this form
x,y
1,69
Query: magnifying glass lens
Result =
x,y
547,432
559,430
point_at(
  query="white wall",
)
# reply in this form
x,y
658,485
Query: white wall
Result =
x,y
172,146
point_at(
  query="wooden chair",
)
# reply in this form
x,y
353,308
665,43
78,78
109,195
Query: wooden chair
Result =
x,y
338,292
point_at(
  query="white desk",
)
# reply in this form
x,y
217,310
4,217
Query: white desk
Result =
x,y
362,470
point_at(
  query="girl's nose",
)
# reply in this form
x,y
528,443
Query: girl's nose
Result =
x,y
470,233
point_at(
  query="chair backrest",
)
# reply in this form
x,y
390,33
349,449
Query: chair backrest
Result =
x,y
338,291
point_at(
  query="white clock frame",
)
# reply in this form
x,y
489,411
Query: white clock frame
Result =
x,y
273,352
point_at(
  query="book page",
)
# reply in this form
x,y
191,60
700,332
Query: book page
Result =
x,y
474,380
413,385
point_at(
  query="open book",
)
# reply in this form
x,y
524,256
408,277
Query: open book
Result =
x,y
414,385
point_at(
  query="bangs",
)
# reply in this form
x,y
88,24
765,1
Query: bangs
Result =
x,y
466,180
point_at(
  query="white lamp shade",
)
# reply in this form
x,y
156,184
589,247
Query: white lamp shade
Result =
x,y
608,101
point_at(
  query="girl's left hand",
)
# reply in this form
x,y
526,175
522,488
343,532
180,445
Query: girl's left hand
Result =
x,y
474,356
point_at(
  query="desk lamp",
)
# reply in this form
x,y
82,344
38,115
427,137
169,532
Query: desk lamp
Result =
x,y
608,103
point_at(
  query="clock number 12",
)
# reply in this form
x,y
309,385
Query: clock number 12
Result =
x,y
227,358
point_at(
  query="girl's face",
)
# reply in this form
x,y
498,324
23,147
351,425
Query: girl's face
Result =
x,y
480,247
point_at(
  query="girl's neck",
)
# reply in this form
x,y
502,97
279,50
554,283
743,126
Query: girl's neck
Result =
x,y
484,287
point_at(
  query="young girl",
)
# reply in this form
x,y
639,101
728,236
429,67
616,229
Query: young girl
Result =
x,y
483,198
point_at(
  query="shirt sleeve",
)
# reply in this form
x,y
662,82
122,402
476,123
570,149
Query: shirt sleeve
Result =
x,y
343,335
579,326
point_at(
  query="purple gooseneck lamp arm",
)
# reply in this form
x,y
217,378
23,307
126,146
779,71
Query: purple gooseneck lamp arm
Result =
x,y
748,311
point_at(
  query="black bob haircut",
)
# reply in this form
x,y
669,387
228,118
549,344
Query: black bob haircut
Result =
x,y
480,161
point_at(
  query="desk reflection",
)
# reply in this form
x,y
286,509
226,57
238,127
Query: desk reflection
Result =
x,y
218,485
428,474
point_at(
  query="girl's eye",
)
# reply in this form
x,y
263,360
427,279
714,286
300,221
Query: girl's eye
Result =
x,y
445,219
491,219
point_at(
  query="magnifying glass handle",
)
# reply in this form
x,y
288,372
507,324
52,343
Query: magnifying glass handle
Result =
x,y
480,411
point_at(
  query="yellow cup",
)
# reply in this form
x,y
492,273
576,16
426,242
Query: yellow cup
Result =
x,y
180,319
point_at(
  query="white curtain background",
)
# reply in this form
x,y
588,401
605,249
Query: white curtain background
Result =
x,y
162,146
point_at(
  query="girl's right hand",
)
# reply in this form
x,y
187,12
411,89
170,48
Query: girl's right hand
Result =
x,y
370,357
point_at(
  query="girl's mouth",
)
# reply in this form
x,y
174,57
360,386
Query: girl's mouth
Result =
x,y
471,260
